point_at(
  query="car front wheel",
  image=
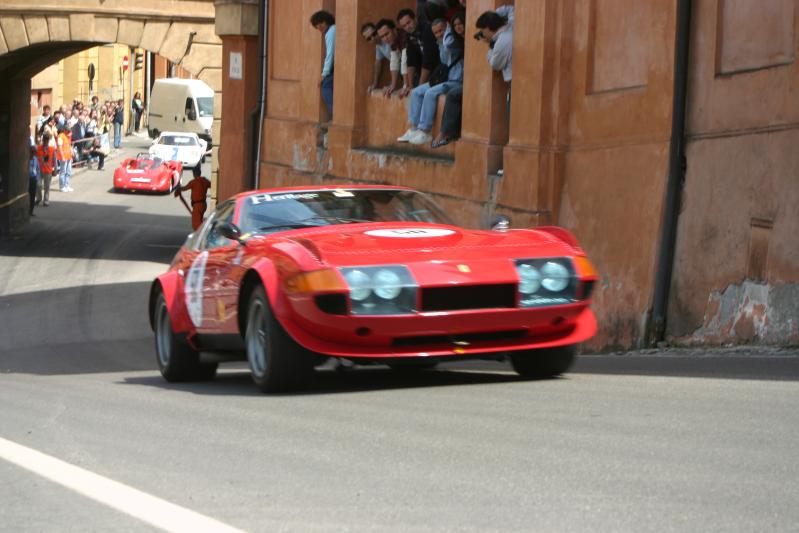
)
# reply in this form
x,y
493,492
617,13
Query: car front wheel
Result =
x,y
543,363
277,362
177,361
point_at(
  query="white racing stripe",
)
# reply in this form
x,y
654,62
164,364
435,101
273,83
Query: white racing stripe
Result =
x,y
133,502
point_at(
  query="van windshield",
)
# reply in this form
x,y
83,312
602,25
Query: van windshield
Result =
x,y
205,105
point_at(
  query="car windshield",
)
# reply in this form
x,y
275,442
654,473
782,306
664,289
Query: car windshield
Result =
x,y
205,106
178,140
145,161
269,212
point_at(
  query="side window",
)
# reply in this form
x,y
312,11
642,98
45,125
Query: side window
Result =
x,y
213,237
191,111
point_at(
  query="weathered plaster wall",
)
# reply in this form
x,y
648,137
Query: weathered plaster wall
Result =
x,y
737,258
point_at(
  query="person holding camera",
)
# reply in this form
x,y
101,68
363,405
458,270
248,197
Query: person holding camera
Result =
x,y
495,28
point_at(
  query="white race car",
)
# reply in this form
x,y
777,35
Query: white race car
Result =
x,y
187,148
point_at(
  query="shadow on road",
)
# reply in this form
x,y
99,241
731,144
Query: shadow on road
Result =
x,y
71,230
239,383
77,330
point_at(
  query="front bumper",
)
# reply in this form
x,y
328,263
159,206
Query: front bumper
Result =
x,y
443,334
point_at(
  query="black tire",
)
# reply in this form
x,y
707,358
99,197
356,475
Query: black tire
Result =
x,y
177,361
277,362
544,363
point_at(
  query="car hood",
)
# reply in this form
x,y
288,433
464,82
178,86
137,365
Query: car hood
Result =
x,y
376,244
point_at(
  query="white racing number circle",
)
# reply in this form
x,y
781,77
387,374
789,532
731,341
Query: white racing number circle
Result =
x,y
194,289
410,233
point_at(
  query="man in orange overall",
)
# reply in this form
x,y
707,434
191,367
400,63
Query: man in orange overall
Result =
x,y
64,155
199,189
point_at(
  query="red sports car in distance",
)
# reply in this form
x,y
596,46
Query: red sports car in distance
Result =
x,y
147,174
286,278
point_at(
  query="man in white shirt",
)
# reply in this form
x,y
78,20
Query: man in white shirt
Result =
x,y
325,22
382,52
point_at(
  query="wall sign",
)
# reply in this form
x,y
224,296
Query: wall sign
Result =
x,y
236,68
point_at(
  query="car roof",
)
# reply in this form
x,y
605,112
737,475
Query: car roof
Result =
x,y
313,188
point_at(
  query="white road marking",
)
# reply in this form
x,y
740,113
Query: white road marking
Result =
x,y
155,511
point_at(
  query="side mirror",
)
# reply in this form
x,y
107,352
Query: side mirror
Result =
x,y
191,115
230,231
500,223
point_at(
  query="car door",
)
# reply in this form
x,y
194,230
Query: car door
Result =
x,y
221,252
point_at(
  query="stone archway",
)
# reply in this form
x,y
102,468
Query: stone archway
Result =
x,y
33,37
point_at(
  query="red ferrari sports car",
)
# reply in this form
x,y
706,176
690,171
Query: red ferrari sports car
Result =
x,y
146,173
286,278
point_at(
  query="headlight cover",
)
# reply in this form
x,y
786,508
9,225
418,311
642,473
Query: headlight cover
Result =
x,y
380,290
546,281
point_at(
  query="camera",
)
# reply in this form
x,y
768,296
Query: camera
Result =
x,y
478,35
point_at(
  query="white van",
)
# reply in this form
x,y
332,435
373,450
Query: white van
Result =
x,y
182,106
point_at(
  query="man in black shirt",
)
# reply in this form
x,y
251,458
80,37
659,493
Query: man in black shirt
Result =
x,y
423,56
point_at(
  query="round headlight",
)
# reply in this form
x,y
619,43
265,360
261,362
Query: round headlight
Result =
x,y
555,277
529,279
360,285
387,284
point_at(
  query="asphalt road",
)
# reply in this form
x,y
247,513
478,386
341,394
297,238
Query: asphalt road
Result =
x,y
660,441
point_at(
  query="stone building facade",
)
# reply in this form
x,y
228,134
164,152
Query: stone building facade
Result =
x,y
588,145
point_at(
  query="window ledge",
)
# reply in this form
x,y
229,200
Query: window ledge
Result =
x,y
405,153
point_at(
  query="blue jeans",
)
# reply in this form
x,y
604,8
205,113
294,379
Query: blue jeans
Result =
x,y
65,173
117,134
327,93
424,100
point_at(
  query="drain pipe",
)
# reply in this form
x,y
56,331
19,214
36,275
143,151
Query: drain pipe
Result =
x,y
656,330
257,114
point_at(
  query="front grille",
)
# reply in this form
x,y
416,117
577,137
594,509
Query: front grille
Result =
x,y
464,297
491,336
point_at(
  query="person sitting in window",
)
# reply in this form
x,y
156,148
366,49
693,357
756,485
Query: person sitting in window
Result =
x,y
424,98
423,55
451,121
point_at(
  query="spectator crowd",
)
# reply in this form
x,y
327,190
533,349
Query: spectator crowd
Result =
x,y
425,56
67,137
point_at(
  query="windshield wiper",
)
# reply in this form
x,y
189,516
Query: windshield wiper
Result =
x,y
288,225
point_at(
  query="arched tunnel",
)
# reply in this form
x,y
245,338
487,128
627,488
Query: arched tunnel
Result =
x,y
16,70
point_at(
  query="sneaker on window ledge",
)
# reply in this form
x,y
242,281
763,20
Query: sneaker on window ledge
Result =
x,y
421,137
407,136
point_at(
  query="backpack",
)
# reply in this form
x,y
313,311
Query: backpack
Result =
x,y
439,75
